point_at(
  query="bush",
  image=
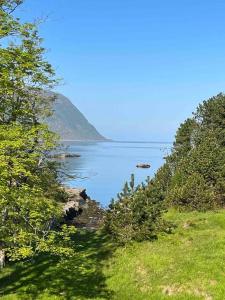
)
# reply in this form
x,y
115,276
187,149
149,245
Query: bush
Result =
x,y
135,215
194,194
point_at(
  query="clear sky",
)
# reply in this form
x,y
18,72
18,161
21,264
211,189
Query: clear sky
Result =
x,y
135,68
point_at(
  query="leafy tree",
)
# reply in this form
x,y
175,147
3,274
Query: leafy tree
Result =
x,y
30,210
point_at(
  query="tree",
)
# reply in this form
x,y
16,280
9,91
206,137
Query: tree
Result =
x,y
210,115
198,159
30,210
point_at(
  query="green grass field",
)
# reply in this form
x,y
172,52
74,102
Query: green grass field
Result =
x,y
188,264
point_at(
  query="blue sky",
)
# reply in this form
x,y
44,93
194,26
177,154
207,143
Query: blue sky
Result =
x,y
135,68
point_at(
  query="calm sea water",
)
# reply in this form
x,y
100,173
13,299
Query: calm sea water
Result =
x,y
104,167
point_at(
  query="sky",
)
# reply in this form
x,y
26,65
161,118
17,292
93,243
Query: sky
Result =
x,y
135,68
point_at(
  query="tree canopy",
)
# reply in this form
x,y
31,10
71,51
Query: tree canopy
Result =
x,y
30,210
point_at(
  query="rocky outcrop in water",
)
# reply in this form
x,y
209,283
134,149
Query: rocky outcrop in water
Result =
x,y
143,166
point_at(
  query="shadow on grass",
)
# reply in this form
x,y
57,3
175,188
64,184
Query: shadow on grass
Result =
x,y
79,277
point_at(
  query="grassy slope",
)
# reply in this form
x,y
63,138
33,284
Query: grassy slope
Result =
x,y
189,264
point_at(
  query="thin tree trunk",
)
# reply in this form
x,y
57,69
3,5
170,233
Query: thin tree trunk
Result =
x,y
2,259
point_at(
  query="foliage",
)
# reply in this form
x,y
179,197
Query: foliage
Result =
x,y
135,215
197,161
184,138
193,194
30,210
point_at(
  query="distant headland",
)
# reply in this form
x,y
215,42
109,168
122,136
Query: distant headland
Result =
x,y
70,124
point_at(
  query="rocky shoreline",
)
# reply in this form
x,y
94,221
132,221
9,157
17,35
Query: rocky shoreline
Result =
x,y
81,211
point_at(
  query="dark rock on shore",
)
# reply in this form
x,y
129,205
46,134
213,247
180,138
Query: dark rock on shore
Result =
x,y
81,211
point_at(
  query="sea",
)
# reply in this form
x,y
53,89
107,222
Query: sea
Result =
x,y
104,167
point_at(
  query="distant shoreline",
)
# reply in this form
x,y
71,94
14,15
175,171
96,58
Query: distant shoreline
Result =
x,y
115,141
106,140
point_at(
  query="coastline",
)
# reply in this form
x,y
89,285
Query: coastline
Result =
x,y
88,141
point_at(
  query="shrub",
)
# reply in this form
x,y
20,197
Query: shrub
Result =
x,y
135,215
194,194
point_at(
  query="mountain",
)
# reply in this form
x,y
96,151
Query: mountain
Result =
x,y
70,123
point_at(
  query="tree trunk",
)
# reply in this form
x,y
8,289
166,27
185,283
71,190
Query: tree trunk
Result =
x,y
2,259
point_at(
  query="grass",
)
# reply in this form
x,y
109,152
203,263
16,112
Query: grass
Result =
x,y
188,264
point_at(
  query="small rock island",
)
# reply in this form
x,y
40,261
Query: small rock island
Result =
x,y
143,166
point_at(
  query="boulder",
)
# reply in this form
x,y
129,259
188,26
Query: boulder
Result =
x,y
81,211
144,166
75,204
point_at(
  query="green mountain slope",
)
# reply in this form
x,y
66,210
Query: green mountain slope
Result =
x,y
70,123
